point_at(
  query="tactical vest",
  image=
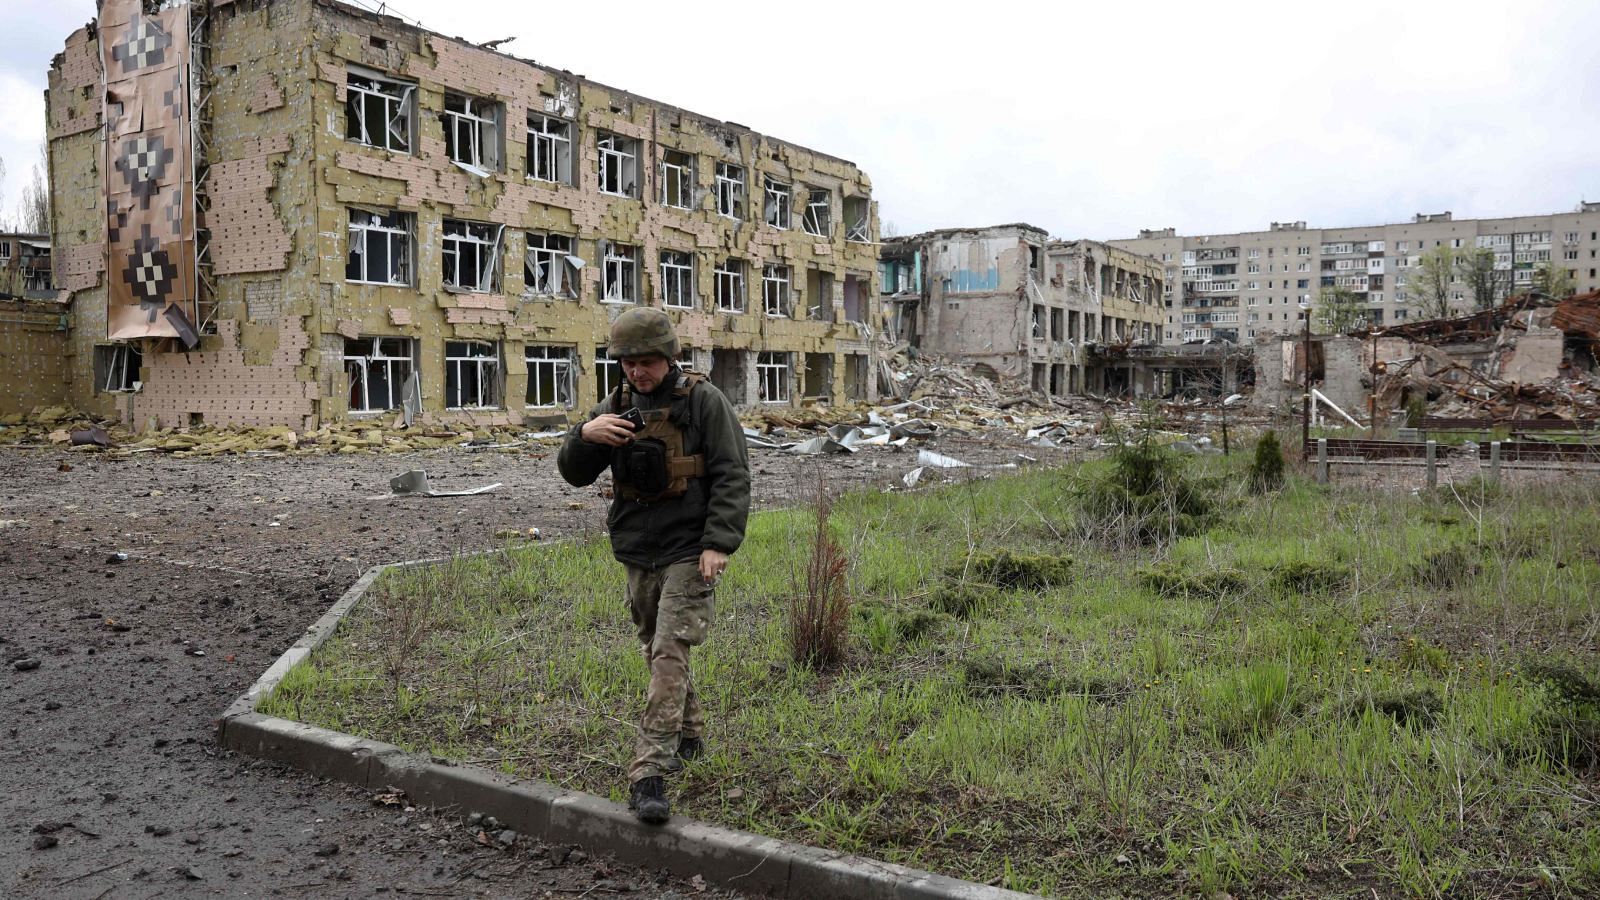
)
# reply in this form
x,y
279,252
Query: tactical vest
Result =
x,y
654,466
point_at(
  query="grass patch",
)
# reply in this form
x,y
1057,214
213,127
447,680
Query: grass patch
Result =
x,y
1324,692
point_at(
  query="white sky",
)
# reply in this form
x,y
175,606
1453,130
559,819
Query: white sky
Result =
x,y
1089,120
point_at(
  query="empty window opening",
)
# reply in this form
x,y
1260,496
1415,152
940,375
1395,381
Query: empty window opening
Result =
x,y
677,179
1034,263
818,219
775,290
777,204
728,374
117,368
1040,380
471,256
772,375
730,190
549,268
380,248
376,369
549,149
607,373
856,371
1058,379
858,219
471,375
619,276
550,376
730,286
819,296
472,132
677,279
1058,325
619,165
1038,323
819,375
378,111
854,309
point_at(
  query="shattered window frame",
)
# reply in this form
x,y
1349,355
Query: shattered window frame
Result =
x,y
369,230
776,290
472,132
472,375
730,191
773,376
607,373
5,251
730,286
858,229
121,363
378,367
677,279
818,218
779,197
618,164
619,274
465,242
551,376
548,269
549,149
368,92
677,179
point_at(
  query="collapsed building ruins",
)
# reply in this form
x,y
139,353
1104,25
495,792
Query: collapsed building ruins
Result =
x,y
286,212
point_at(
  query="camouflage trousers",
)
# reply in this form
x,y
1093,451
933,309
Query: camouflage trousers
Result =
x,y
672,608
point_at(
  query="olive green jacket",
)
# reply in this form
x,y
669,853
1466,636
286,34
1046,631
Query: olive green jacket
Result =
x,y
711,515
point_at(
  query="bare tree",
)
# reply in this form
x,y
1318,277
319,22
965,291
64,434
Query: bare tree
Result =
x,y
1435,272
34,215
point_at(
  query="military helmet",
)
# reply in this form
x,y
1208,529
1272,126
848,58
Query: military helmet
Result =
x,y
642,331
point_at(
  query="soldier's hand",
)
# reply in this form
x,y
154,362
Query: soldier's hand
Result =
x,y
712,564
607,429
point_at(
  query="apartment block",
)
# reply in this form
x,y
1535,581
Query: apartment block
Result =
x,y
1231,287
384,221
1014,303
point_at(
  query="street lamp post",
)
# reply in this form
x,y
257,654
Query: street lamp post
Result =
x,y
1305,397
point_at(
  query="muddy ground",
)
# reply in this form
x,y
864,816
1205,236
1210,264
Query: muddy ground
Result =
x,y
111,781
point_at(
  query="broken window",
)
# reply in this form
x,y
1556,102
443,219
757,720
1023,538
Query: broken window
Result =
x,y
549,149
5,251
550,376
378,111
376,369
730,190
549,268
607,373
677,279
858,219
471,256
677,179
1058,324
380,248
818,219
472,136
471,375
117,368
619,165
619,277
819,295
772,374
775,290
730,286
778,200
1038,323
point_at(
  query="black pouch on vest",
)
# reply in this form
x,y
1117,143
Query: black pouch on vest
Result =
x,y
644,465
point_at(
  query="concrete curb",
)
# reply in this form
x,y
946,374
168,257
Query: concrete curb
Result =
x,y
734,859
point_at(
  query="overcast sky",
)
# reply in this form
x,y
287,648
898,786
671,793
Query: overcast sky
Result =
x,y
1089,120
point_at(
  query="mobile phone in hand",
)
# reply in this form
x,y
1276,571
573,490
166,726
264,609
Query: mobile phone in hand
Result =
x,y
634,417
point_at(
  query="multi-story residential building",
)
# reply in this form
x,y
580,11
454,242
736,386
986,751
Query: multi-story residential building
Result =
x,y
1233,286
382,218
1014,303
25,267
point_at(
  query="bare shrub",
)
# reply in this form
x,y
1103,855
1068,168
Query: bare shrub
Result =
x,y
819,612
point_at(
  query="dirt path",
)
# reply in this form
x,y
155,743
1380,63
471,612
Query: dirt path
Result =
x,y
111,782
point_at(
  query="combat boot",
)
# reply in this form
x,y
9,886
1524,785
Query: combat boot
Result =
x,y
647,797
691,748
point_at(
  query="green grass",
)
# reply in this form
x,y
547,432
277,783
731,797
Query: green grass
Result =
x,y
1329,692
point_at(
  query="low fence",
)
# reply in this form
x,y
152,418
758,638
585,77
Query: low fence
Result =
x,y
1491,455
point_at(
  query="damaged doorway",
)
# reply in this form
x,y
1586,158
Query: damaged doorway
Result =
x,y
819,376
728,374
856,373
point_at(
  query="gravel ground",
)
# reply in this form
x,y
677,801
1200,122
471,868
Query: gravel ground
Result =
x,y
112,673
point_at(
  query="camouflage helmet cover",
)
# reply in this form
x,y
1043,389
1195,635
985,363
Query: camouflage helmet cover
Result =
x,y
642,331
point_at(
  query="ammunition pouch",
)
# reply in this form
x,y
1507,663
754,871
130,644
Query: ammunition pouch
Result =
x,y
654,466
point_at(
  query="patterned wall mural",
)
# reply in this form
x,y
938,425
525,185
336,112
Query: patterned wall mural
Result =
x,y
149,172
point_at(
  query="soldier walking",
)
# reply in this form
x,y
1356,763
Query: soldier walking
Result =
x,y
681,481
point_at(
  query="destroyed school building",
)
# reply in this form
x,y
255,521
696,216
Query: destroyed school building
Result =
x,y
1014,304
385,219
1531,358
1232,287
